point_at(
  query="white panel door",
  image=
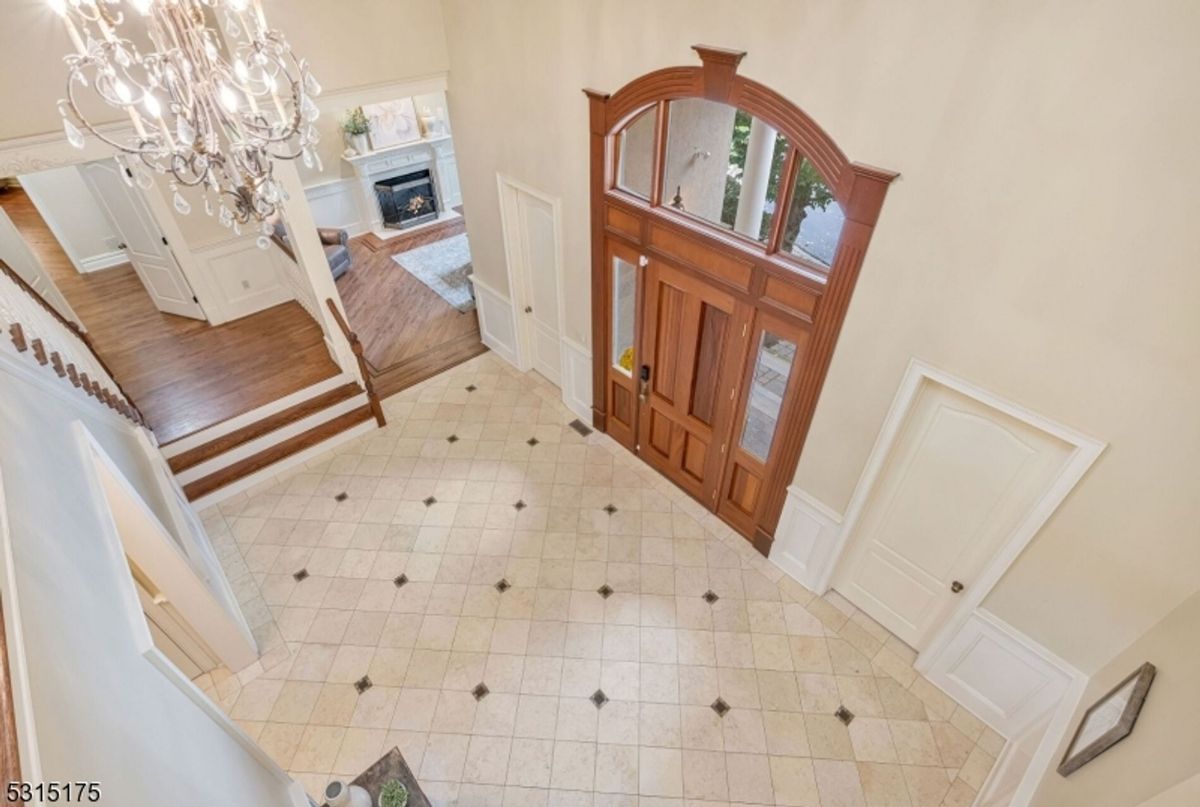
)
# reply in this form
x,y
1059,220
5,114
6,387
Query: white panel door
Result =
x,y
959,480
533,245
16,253
145,244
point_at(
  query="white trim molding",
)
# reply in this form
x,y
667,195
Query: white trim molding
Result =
x,y
806,538
577,379
497,321
104,260
1085,450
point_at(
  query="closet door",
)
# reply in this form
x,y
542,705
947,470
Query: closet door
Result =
x,y
765,390
693,341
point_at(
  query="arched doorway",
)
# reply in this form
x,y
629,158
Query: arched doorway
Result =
x,y
728,230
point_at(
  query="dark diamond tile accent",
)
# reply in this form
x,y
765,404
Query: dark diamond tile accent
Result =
x,y
605,591
843,714
471,387
532,441
720,707
363,684
599,698
429,502
452,438
519,504
710,596
400,580
579,426
480,691
300,575
503,585
341,497
610,508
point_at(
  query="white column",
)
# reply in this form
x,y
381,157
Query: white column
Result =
x,y
755,177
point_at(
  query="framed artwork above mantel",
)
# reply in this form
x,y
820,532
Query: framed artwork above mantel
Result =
x,y
1109,720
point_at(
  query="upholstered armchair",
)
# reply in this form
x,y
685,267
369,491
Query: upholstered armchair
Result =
x,y
337,253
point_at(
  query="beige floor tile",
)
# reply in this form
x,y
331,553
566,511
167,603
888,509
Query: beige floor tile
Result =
x,y
487,760
914,743
574,765
838,783
749,778
295,702
704,775
660,772
445,757
828,737
926,786
360,749
872,740
616,769
883,785
281,740
975,770
953,745
318,749
529,763
794,782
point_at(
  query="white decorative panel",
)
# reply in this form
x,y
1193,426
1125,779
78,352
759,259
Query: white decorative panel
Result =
x,y
247,279
805,538
577,379
497,326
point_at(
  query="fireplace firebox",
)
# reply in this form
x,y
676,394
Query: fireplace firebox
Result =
x,y
407,200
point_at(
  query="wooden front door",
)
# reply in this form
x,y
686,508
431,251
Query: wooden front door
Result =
x,y
692,345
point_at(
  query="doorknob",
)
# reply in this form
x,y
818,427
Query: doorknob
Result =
x,y
644,383
956,587
528,309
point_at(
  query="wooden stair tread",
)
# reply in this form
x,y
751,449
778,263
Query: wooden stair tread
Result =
x,y
252,431
269,456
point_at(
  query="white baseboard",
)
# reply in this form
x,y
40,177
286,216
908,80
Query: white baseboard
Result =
x,y
497,321
103,260
806,538
577,379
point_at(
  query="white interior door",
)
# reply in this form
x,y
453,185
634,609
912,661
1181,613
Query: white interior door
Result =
x,y
145,244
172,635
16,253
531,235
959,479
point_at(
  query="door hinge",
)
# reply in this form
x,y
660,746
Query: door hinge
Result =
x,y
128,173
723,447
732,393
195,299
164,240
745,327
643,261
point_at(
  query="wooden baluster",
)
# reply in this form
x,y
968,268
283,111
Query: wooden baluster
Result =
x,y
57,363
18,336
39,351
86,384
73,374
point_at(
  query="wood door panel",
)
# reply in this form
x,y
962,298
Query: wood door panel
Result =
x,y
694,456
658,436
669,324
697,255
744,485
714,324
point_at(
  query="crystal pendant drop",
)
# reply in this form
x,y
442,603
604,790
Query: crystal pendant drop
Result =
x,y
308,110
317,159
225,216
182,204
306,156
231,25
237,227
312,85
262,242
208,208
184,130
74,136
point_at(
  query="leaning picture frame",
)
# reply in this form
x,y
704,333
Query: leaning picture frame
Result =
x,y
392,123
1108,720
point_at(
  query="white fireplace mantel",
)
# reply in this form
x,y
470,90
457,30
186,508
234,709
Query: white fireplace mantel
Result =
x,y
434,153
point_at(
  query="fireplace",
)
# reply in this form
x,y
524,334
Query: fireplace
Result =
x,y
407,200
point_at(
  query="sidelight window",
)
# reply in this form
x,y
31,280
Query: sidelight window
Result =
x,y
624,309
772,369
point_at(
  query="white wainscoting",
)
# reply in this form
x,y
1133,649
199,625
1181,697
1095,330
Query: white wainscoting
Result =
x,y
1004,677
335,204
806,538
497,322
577,379
245,279
103,260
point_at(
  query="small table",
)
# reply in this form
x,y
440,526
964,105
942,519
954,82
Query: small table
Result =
x,y
388,767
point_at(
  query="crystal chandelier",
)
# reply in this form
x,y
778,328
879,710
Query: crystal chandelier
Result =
x,y
205,113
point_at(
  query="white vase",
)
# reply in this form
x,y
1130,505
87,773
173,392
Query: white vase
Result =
x,y
340,794
359,143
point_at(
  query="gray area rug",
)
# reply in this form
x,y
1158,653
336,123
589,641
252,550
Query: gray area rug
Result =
x,y
443,266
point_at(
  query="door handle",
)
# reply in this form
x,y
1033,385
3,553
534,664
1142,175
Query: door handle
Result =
x,y
956,587
644,383
528,309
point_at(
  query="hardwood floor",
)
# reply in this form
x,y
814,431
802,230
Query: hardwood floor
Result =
x,y
408,332
184,374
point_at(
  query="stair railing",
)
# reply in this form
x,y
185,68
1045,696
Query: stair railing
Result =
x,y
368,370
54,341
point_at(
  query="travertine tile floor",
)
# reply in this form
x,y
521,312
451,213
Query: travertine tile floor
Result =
x,y
476,480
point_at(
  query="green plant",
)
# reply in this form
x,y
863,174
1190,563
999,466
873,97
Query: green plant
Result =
x,y
355,122
393,794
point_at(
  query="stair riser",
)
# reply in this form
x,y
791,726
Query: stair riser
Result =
x,y
286,464
253,447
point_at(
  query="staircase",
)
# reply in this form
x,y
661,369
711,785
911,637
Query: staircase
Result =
x,y
236,454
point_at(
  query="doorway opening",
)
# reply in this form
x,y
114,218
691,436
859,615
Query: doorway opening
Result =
x,y
728,230
406,282
193,320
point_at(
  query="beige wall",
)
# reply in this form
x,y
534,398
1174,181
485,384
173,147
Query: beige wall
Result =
x,y
1162,751
1038,243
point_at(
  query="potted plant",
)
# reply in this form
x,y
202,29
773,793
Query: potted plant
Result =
x,y
393,794
356,126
